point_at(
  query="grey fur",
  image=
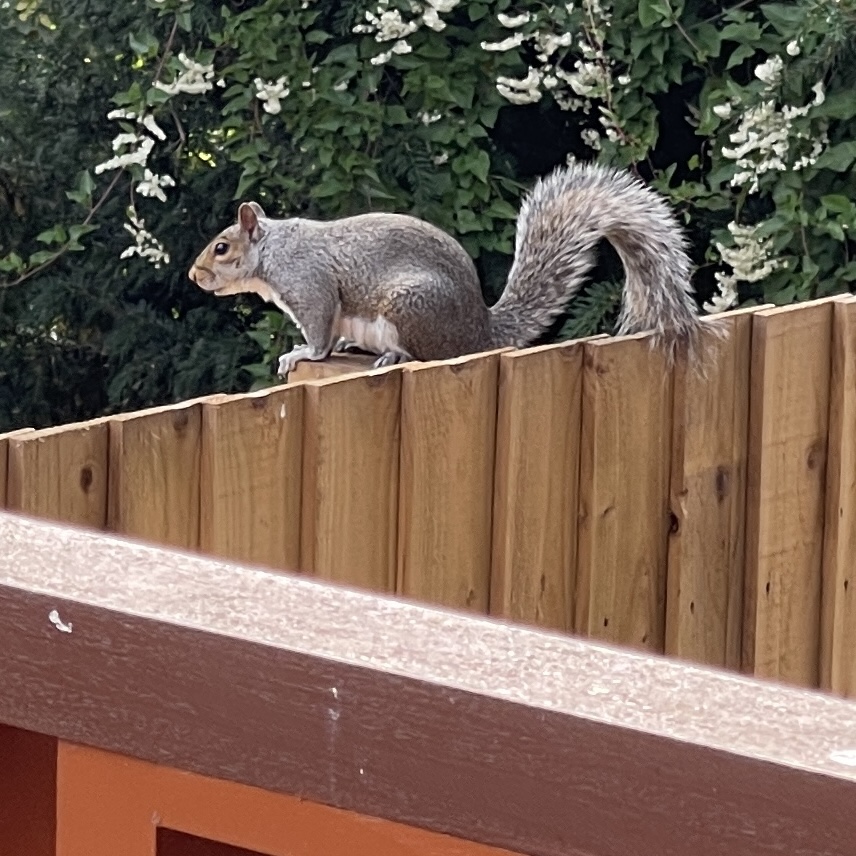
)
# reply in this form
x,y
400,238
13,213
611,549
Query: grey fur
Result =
x,y
421,281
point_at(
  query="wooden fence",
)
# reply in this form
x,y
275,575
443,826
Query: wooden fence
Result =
x,y
581,487
162,703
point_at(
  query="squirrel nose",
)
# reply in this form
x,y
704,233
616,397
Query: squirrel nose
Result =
x,y
192,273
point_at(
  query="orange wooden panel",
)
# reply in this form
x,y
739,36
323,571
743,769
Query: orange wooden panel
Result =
x,y
704,592
838,620
109,804
788,423
535,490
27,793
624,519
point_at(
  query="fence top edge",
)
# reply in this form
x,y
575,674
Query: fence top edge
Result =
x,y
482,656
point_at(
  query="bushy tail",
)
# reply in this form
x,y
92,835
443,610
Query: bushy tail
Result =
x,y
560,224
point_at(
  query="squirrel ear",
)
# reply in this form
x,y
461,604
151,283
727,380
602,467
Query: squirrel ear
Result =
x,y
248,219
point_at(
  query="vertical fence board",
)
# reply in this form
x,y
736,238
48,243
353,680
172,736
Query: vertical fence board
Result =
x,y
624,492
153,482
4,453
251,470
448,438
785,491
352,429
704,596
535,491
838,621
61,473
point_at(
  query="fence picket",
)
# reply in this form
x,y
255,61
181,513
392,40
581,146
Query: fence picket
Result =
x,y
350,478
788,420
536,480
838,617
624,492
704,596
154,475
250,471
4,457
448,435
60,473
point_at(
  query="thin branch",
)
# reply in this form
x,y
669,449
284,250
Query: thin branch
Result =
x,y
62,250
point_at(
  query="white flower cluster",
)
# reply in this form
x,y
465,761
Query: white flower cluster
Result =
x,y
152,185
194,80
271,94
591,78
145,245
388,25
765,135
750,260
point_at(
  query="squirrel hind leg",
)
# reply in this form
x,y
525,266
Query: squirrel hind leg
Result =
x,y
391,358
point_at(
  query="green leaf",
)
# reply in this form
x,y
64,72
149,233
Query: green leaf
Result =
x,y
838,158
56,235
650,12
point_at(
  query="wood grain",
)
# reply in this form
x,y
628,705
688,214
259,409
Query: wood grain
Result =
x,y
250,477
334,366
624,492
535,491
4,457
458,724
61,473
838,616
154,477
704,598
448,437
352,431
788,421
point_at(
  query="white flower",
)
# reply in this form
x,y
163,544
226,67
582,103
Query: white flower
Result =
x,y
440,159
271,94
793,48
591,138
148,122
121,113
145,244
432,20
194,80
524,91
723,110
151,185
750,261
770,72
121,140
505,45
137,157
819,93
512,21
623,79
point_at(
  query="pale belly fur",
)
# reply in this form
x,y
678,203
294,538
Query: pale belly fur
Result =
x,y
377,336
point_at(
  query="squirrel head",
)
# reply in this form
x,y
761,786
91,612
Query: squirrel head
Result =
x,y
228,264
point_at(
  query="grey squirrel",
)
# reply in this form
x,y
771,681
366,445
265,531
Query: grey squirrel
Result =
x,y
398,287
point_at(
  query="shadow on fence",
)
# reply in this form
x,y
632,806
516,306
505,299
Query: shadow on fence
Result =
x,y
581,487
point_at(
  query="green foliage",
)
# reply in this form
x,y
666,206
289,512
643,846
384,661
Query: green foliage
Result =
x,y
740,112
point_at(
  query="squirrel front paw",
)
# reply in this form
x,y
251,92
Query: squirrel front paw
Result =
x,y
289,361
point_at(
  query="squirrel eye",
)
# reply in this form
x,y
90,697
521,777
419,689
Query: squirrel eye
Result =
x,y
221,248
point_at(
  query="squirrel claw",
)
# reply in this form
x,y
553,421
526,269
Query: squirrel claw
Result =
x,y
391,358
